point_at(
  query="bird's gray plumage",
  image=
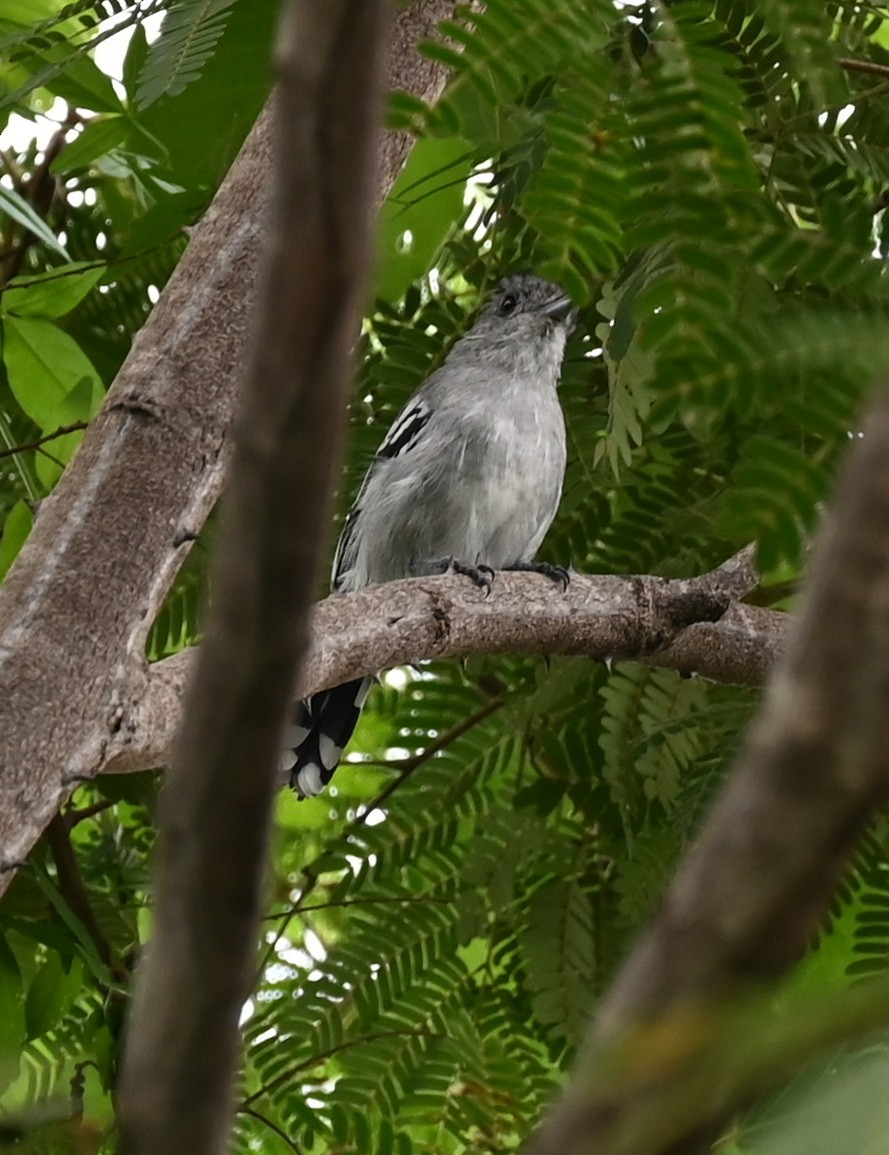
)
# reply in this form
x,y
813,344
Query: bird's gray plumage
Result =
x,y
470,471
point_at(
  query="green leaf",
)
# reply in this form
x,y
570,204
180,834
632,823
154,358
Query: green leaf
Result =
x,y
202,127
670,164
15,533
81,82
12,1014
44,364
25,12
15,206
189,35
418,212
134,61
839,1108
559,953
80,404
62,69
80,935
54,293
51,993
95,140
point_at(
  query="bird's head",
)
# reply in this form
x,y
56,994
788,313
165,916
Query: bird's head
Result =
x,y
523,303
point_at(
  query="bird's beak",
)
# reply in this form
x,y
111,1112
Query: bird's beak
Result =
x,y
562,309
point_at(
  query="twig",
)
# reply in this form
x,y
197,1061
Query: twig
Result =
x,y
314,1060
404,901
74,427
50,457
405,766
40,192
810,118
72,816
867,66
272,1126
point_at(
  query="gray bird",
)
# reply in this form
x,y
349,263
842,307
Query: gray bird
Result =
x,y
468,478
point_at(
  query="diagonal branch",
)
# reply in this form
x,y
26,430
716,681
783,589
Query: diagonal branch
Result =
x,y
755,887
75,893
145,477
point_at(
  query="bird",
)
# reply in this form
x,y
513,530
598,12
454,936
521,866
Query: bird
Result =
x,y
468,479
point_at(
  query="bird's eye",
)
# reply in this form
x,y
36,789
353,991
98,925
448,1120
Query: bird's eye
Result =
x,y
508,304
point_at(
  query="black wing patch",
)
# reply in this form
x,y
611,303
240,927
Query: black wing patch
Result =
x,y
403,435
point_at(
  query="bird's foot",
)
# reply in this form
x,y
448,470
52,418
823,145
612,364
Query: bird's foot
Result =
x,y
555,573
481,575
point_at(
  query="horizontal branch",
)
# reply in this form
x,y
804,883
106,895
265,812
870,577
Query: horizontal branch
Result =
x,y
694,625
870,67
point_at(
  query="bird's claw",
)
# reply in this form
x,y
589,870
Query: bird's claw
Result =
x,y
555,573
482,575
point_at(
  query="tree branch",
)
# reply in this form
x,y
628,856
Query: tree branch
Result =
x,y
74,891
71,662
869,67
757,884
40,191
39,441
644,618
282,1135
182,1041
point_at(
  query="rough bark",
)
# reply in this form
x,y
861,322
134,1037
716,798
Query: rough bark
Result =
x,y
182,1041
446,617
76,607
747,899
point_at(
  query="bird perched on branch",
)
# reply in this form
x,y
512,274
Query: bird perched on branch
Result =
x,y
468,479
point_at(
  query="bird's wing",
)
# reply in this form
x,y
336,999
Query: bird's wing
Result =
x,y
402,437
406,429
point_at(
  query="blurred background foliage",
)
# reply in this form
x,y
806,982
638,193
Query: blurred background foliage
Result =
x,y
709,179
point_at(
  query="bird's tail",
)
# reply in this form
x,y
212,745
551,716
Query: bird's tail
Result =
x,y
322,726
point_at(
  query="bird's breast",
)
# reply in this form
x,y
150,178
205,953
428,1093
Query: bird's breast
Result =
x,y
515,495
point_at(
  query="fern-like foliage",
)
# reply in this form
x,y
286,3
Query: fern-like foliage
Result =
x,y
190,33
55,29
486,894
55,51
709,178
676,169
